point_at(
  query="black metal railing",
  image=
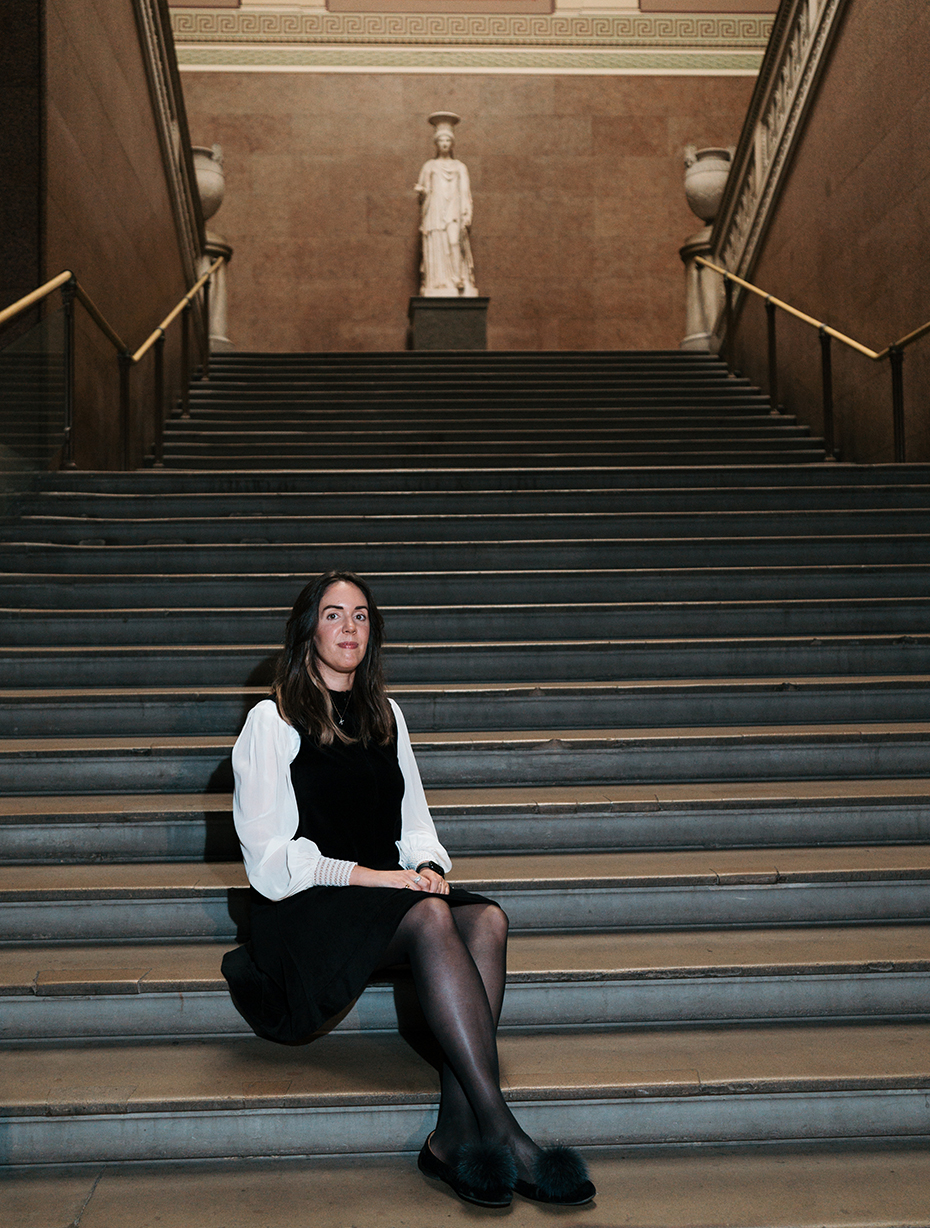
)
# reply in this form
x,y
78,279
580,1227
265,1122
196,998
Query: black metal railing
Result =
x,y
894,353
72,292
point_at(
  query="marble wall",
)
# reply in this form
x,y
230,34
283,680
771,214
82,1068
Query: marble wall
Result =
x,y
21,159
579,204
848,239
108,214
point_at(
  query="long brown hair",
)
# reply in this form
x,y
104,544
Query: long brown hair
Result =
x,y
301,693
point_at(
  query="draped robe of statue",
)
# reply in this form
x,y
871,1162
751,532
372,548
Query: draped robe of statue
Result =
x,y
446,268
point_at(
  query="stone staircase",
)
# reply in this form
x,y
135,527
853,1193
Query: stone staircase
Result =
x,y
666,674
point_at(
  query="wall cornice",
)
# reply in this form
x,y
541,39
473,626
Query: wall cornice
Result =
x,y
456,42
794,62
634,30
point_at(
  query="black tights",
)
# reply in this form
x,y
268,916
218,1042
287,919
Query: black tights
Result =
x,y
458,959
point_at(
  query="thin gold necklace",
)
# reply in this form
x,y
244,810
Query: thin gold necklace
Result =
x,y
342,714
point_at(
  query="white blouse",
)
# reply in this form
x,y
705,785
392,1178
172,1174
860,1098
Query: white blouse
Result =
x,y
266,815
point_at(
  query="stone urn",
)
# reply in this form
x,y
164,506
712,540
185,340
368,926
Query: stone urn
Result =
x,y
706,172
211,181
211,185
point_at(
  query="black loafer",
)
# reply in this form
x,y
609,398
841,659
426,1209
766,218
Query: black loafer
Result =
x,y
483,1175
561,1178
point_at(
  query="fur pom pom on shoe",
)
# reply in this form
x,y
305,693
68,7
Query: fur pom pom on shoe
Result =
x,y
484,1166
484,1174
561,1176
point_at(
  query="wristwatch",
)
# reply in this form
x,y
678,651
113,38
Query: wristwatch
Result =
x,y
431,865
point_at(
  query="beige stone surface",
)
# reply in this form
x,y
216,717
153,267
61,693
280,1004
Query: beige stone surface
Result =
x,y
370,1069
689,865
775,1187
196,966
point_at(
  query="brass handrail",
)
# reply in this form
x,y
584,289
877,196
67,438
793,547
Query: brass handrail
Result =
x,y
894,352
71,288
176,311
792,311
35,296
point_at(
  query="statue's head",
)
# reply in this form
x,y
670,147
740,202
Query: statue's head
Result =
x,y
444,122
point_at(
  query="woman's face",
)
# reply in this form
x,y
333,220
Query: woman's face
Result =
x,y
341,637
444,142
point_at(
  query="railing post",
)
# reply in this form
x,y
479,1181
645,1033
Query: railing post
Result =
x,y
728,320
826,369
773,355
159,422
125,365
186,361
68,291
896,359
206,330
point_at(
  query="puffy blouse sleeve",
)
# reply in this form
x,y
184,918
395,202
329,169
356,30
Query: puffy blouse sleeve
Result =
x,y
418,840
265,808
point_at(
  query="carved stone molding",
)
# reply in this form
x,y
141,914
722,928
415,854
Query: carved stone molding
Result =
x,y
796,57
635,30
168,109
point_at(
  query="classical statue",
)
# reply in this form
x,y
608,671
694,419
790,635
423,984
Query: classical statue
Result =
x,y
446,268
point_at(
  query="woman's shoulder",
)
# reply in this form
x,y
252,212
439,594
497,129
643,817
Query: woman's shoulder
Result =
x,y
400,724
264,720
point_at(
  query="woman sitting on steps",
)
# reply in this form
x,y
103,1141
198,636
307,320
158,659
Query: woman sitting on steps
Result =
x,y
347,877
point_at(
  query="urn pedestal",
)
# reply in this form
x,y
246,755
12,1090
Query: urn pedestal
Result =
x,y
706,172
211,185
448,323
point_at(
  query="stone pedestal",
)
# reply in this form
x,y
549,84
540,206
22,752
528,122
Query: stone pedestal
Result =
x,y
703,294
217,246
448,323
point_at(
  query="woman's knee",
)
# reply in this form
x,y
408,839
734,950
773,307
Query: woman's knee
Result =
x,y
488,921
431,916
496,921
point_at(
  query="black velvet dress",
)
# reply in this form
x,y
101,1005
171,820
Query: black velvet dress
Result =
x,y
310,955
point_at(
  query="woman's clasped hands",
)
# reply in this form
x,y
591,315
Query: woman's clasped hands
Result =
x,y
413,880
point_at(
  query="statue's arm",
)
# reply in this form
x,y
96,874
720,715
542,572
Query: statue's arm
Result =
x,y
422,184
465,187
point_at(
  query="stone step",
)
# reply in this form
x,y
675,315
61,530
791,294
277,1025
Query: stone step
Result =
x,y
191,827
259,361
769,1185
370,1093
500,478
214,458
312,557
496,758
797,500
426,380
91,711
581,892
478,418
478,415
522,527
423,397
420,623
252,665
77,588
94,993
308,438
